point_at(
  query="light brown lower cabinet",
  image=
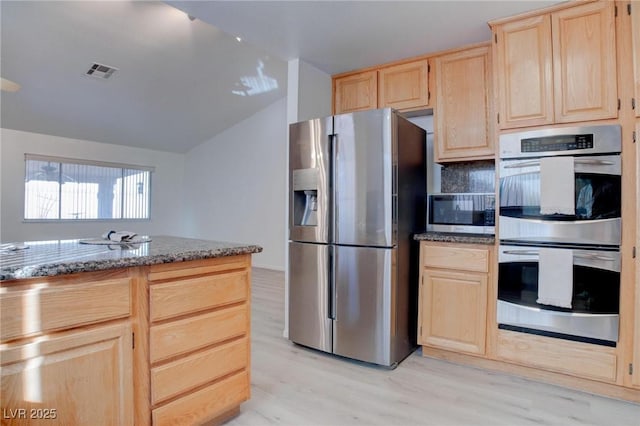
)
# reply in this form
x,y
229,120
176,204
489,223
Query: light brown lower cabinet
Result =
x,y
80,377
197,335
457,322
454,310
164,344
453,297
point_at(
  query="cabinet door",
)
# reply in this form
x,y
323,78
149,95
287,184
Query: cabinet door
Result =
x,y
524,72
453,310
404,86
635,28
75,378
356,92
462,105
584,63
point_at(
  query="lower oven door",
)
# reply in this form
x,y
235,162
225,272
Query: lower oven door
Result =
x,y
594,313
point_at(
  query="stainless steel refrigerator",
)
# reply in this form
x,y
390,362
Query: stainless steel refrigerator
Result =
x,y
357,192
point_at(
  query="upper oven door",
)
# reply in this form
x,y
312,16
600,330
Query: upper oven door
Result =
x,y
597,202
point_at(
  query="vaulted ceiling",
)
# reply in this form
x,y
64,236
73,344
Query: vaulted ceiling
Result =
x,y
181,81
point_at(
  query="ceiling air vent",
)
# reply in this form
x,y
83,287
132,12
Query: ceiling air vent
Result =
x,y
103,72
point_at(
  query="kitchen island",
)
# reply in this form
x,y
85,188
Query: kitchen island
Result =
x,y
150,333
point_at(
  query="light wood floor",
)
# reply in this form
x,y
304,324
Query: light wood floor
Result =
x,y
292,385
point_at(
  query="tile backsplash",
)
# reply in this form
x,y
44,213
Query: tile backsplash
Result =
x,y
473,176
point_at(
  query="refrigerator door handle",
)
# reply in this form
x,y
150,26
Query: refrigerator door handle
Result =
x,y
333,154
332,284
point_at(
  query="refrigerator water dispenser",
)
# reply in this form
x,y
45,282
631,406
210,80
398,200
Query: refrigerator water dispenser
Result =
x,y
310,218
305,197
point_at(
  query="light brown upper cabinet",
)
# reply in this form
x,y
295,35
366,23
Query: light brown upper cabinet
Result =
x,y
356,92
463,130
635,28
404,86
558,67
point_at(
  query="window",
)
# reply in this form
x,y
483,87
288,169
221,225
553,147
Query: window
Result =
x,y
69,189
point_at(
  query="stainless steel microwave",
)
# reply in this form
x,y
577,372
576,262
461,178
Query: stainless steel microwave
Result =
x,y
461,212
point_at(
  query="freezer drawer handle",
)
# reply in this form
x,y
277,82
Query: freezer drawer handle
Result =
x,y
332,284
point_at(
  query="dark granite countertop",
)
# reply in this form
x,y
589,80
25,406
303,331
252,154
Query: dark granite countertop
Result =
x,y
454,237
60,257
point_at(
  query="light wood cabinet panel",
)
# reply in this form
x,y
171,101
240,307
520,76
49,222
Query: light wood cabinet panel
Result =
x,y
457,258
180,297
454,308
204,404
463,96
192,333
580,359
524,72
172,379
558,67
356,92
404,86
635,29
42,307
198,334
584,62
84,376
169,271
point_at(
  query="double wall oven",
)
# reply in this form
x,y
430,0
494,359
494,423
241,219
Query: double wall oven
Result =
x,y
560,232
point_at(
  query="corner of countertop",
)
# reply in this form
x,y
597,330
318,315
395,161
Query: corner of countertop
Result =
x,y
456,237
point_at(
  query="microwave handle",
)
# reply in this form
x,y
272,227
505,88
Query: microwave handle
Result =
x,y
576,161
579,255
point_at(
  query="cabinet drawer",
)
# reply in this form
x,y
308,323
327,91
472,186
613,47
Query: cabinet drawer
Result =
x,y
189,334
578,359
169,271
196,294
459,258
205,404
32,310
174,378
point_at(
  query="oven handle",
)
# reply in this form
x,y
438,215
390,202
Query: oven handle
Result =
x,y
579,255
576,161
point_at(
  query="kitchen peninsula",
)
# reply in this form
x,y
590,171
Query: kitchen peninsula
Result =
x,y
125,334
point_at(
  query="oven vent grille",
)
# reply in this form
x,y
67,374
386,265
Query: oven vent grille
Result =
x,y
100,71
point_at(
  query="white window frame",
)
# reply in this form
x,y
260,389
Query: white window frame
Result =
x,y
66,160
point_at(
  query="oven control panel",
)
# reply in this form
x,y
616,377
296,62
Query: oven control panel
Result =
x,y
577,140
557,143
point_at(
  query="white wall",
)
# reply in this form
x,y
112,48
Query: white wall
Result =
x,y
167,184
308,92
314,92
235,185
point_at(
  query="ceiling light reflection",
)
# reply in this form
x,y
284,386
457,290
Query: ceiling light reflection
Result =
x,y
254,85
